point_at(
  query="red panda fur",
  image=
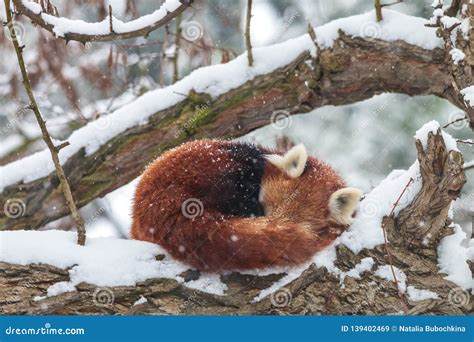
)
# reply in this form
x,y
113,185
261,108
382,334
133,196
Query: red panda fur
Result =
x,y
282,220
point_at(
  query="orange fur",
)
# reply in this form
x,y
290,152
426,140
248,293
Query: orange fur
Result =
x,y
296,222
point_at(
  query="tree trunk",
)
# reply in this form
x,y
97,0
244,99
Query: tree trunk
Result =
x,y
316,291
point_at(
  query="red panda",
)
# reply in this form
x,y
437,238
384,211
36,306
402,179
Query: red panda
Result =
x,y
221,206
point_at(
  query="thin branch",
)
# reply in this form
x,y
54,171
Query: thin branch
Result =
x,y
454,121
467,141
248,42
387,251
111,26
378,10
42,21
391,4
66,189
177,46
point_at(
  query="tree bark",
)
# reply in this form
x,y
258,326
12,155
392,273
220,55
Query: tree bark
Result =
x,y
315,292
353,70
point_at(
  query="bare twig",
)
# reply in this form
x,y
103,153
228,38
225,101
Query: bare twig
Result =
x,y
248,42
38,19
454,121
378,10
66,189
466,141
177,46
392,3
312,34
387,251
111,26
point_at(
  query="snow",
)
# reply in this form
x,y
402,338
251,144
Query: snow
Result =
x,y
385,272
210,283
432,127
141,300
416,294
452,257
102,262
214,80
10,143
365,264
291,274
457,56
394,26
63,26
468,94
32,6
366,231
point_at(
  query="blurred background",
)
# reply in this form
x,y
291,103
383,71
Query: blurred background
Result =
x,y
77,83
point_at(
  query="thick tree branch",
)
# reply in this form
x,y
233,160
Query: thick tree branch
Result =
x,y
136,30
315,291
353,70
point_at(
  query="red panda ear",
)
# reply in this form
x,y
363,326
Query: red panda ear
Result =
x,y
292,163
343,204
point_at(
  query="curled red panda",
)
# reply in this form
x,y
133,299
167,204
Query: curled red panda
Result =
x,y
219,205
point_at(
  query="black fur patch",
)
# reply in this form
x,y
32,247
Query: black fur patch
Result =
x,y
239,189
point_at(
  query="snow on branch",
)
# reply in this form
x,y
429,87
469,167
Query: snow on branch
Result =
x,y
456,36
108,29
46,272
204,104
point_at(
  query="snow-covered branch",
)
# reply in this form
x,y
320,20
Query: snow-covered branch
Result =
x,y
45,272
230,100
108,29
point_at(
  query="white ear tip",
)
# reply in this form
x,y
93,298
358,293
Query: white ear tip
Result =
x,y
293,162
343,203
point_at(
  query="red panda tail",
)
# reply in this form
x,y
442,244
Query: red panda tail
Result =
x,y
243,243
